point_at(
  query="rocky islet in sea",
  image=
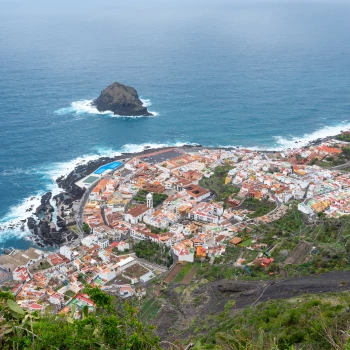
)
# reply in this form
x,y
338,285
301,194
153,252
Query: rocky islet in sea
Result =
x,y
122,100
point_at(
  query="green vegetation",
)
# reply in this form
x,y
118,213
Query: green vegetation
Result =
x,y
260,208
112,326
313,161
154,252
86,228
81,278
343,137
309,323
346,152
70,293
329,162
43,265
216,183
157,230
158,198
329,236
183,272
149,309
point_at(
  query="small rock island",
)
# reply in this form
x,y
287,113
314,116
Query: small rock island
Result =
x,y
121,100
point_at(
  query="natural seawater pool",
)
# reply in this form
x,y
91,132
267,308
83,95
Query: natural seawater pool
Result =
x,y
110,166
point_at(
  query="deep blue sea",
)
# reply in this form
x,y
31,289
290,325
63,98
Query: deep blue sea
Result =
x,y
246,73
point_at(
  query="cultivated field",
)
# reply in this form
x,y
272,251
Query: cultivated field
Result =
x,y
172,274
299,253
188,278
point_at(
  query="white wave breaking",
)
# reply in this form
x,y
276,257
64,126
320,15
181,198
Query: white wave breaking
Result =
x,y
325,131
282,143
87,107
12,225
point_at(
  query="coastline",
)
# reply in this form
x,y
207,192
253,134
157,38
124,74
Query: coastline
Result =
x,y
43,234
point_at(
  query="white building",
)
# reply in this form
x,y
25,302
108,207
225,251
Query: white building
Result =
x,y
305,209
67,252
89,240
149,199
136,214
146,277
183,254
103,243
107,274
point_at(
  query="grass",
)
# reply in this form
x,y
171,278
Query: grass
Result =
x,y
246,243
44,266
158,198
216,183
70,293
184,271
259,208
149,309
302,323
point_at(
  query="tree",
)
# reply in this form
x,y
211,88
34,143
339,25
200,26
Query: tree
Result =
x,y
86,228
113,325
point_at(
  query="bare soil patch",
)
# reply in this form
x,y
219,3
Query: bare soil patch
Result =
x,y
188,278
172,273
299,253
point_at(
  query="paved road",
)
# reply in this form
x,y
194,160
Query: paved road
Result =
x,y
79,216
345,165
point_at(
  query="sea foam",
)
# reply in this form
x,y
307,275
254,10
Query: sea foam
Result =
x,y
11,223
281,143
87,107
296,142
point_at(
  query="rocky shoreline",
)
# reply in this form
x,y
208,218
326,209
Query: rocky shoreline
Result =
x,y
44,229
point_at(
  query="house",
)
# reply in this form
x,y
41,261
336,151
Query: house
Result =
x,y
57,259
107,273
206,212
264,262
147,276
305,209
21,274
99,188
121,246
184,251
66,252
103,243
126,291
201,252
22,258
57,299
197,192
89,240
235,241
141,231
32,306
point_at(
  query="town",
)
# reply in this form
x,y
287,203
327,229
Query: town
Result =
x,y
157,216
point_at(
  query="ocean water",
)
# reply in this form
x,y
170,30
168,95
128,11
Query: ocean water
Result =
x,y
258,74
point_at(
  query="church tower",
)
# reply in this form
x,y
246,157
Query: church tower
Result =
x,y
149,199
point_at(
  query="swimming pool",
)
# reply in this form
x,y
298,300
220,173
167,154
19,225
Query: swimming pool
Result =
x,y
106,167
